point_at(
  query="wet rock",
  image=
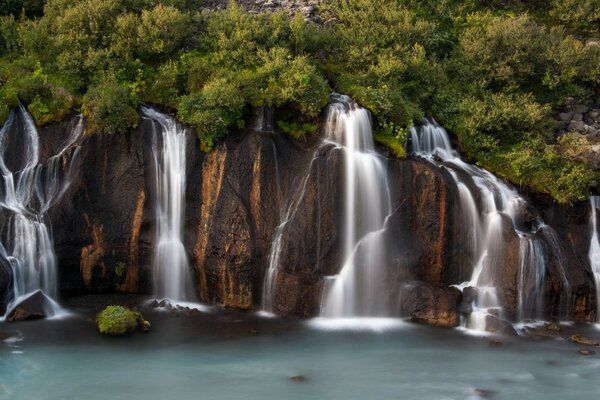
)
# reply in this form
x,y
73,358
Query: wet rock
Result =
x,y
431,305
5,284
579,339
581,108
494,343
469,294
145,325
586,352
499,326
553,326
36,306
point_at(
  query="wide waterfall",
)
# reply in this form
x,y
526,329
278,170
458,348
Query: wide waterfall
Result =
x,y
594,253
29,190
487,205
170,261
356,290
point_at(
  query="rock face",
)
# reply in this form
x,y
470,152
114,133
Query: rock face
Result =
x,y
5,285
253,185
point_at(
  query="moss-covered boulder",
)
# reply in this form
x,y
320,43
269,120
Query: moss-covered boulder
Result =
x,y
118,320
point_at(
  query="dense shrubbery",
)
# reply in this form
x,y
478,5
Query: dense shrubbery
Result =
x,y
494,75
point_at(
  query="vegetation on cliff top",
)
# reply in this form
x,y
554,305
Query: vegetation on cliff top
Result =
x,y
494,76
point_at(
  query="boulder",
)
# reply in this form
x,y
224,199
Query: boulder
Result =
x,y
499,326
36,306
583,340
430,305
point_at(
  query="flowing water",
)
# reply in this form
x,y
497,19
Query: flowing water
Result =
x,y
487,205
171,267
356,290
594,254
29,190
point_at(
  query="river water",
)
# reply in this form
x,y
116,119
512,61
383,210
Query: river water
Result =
x,y
227,355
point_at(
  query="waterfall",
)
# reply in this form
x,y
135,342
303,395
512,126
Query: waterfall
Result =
x,y
356,290
170,262
29,190
487,204
594,253
264,119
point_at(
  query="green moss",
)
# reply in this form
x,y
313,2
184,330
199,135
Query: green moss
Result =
x,y
118,320
120,269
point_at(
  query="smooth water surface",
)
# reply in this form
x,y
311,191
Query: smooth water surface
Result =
x,y
243,357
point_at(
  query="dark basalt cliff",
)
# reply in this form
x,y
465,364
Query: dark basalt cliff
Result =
x,y
237,197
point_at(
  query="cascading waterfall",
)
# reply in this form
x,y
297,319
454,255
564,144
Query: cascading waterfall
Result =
x,y
356,290
484,205
29,190
594,253
170,261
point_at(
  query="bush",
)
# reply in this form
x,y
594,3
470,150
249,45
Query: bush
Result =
x,y
118,320
109,108
217,107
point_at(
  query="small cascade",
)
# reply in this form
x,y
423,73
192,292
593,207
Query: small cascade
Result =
x,y
29,190
265,120
594,254
171,268
487,205
356,290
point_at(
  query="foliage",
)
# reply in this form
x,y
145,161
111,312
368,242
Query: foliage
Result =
x,y
118,320
109,108
298,131
494,73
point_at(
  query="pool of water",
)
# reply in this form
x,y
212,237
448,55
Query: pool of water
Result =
x,y
237,356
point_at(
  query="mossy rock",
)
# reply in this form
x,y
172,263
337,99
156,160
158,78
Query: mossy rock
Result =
x,y
118,320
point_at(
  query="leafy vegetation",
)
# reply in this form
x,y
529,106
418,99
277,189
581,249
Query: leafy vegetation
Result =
x,y
118,320
495,73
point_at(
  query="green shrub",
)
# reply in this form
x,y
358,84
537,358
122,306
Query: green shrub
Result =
x,y
212,111
297,130
109,108
118,320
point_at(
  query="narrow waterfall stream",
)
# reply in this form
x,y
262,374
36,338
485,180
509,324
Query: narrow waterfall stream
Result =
x,y
356,290
486,204
29,190
171,267
594,253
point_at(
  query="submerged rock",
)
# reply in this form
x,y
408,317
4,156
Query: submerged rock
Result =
x,y
431,305
485,393
298,378
586,352
582,340
36,306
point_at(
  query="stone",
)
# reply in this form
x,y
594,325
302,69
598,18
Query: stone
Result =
x,y
36,306
586,352
470,294
566,116
581,108
146,326
553,326
579,339
298,378
494,343
577,117
499,326
431,305
577,126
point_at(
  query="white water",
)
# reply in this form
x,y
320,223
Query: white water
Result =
x,y
486,205
356,290
28,192
594,253
170,261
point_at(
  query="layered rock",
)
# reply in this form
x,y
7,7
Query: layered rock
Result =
x,y
239,194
